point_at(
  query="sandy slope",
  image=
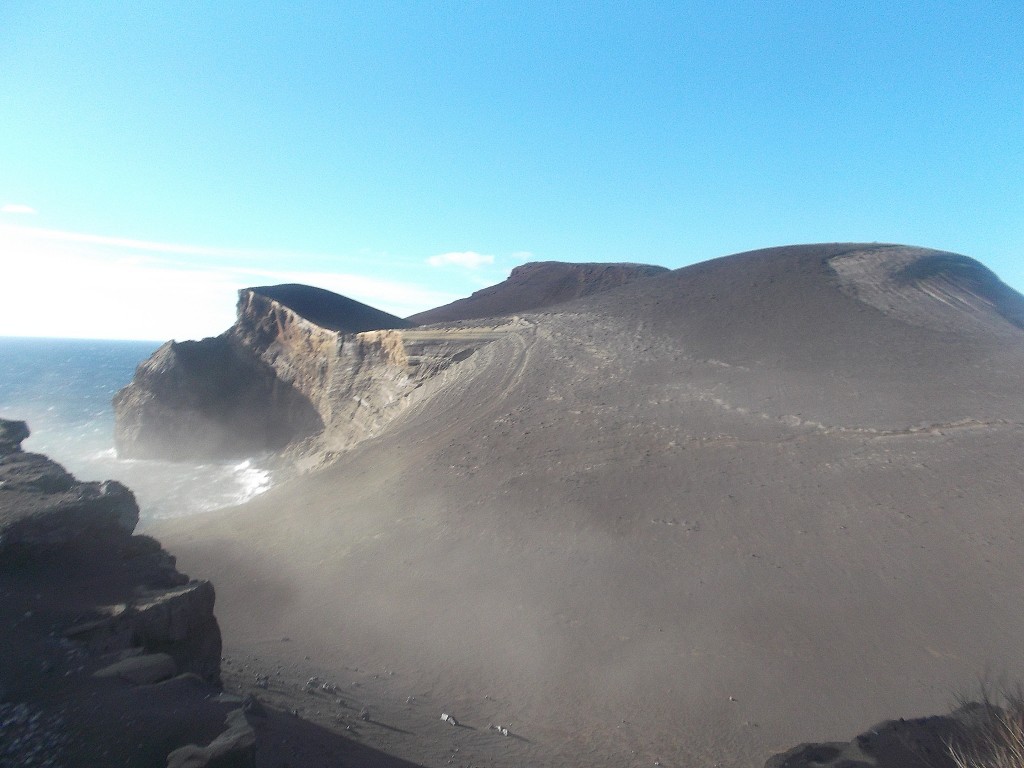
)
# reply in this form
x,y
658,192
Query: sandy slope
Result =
x,y
538,285
694,520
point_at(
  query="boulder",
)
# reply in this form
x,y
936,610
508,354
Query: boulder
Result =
x,y
11,435
43,507
234,748
141,670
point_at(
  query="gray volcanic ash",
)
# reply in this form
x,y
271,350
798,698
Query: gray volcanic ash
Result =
x,y
537,285
697,519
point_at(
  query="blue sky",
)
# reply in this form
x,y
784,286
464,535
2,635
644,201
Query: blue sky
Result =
x,y
156,156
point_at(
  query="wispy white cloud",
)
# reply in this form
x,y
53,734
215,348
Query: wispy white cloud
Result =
x,y
87,288
17,208
467,259
96,286
124,242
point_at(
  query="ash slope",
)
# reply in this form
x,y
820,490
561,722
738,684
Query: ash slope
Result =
x,y
538,285
697,519
329,310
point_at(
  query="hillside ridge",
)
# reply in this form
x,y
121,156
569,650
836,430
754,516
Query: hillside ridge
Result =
x,y
664,522
538,285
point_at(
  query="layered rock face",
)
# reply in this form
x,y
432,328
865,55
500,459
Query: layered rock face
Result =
x,y
304,364
332,377
90,612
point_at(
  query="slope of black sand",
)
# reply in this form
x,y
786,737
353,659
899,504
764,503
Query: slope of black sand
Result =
x,y
537,285
698,519
331,310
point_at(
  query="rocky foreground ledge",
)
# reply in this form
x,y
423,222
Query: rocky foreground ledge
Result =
x,y
108,655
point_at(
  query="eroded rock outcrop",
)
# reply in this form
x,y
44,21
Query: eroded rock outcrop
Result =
x,y
301,362
55,510
94,618
207,399
331,377
12,433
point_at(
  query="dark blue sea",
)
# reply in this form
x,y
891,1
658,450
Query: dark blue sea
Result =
x,y
63,389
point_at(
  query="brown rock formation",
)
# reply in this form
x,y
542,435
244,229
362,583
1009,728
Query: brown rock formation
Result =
x,y
206,399
277,377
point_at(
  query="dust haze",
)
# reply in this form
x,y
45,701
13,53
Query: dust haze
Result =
x,y
694,519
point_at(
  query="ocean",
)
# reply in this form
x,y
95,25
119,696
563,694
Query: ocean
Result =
x,y
63,389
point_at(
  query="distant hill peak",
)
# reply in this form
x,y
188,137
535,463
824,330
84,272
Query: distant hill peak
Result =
x,y
537,285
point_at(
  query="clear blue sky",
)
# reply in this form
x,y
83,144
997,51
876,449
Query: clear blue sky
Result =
x,y
409,153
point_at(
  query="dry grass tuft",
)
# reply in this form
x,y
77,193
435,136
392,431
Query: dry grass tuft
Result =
x,y
995,737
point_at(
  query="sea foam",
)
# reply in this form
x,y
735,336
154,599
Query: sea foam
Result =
x,y
63,389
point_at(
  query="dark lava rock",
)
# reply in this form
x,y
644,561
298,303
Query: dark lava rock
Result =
x,y
43,507
11,435
79,593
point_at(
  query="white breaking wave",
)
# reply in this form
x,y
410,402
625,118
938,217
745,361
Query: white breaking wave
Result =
x,y
163,489
173,489
63,388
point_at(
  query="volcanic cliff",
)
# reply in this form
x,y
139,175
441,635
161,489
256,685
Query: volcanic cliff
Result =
x,y
275,377
301,363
